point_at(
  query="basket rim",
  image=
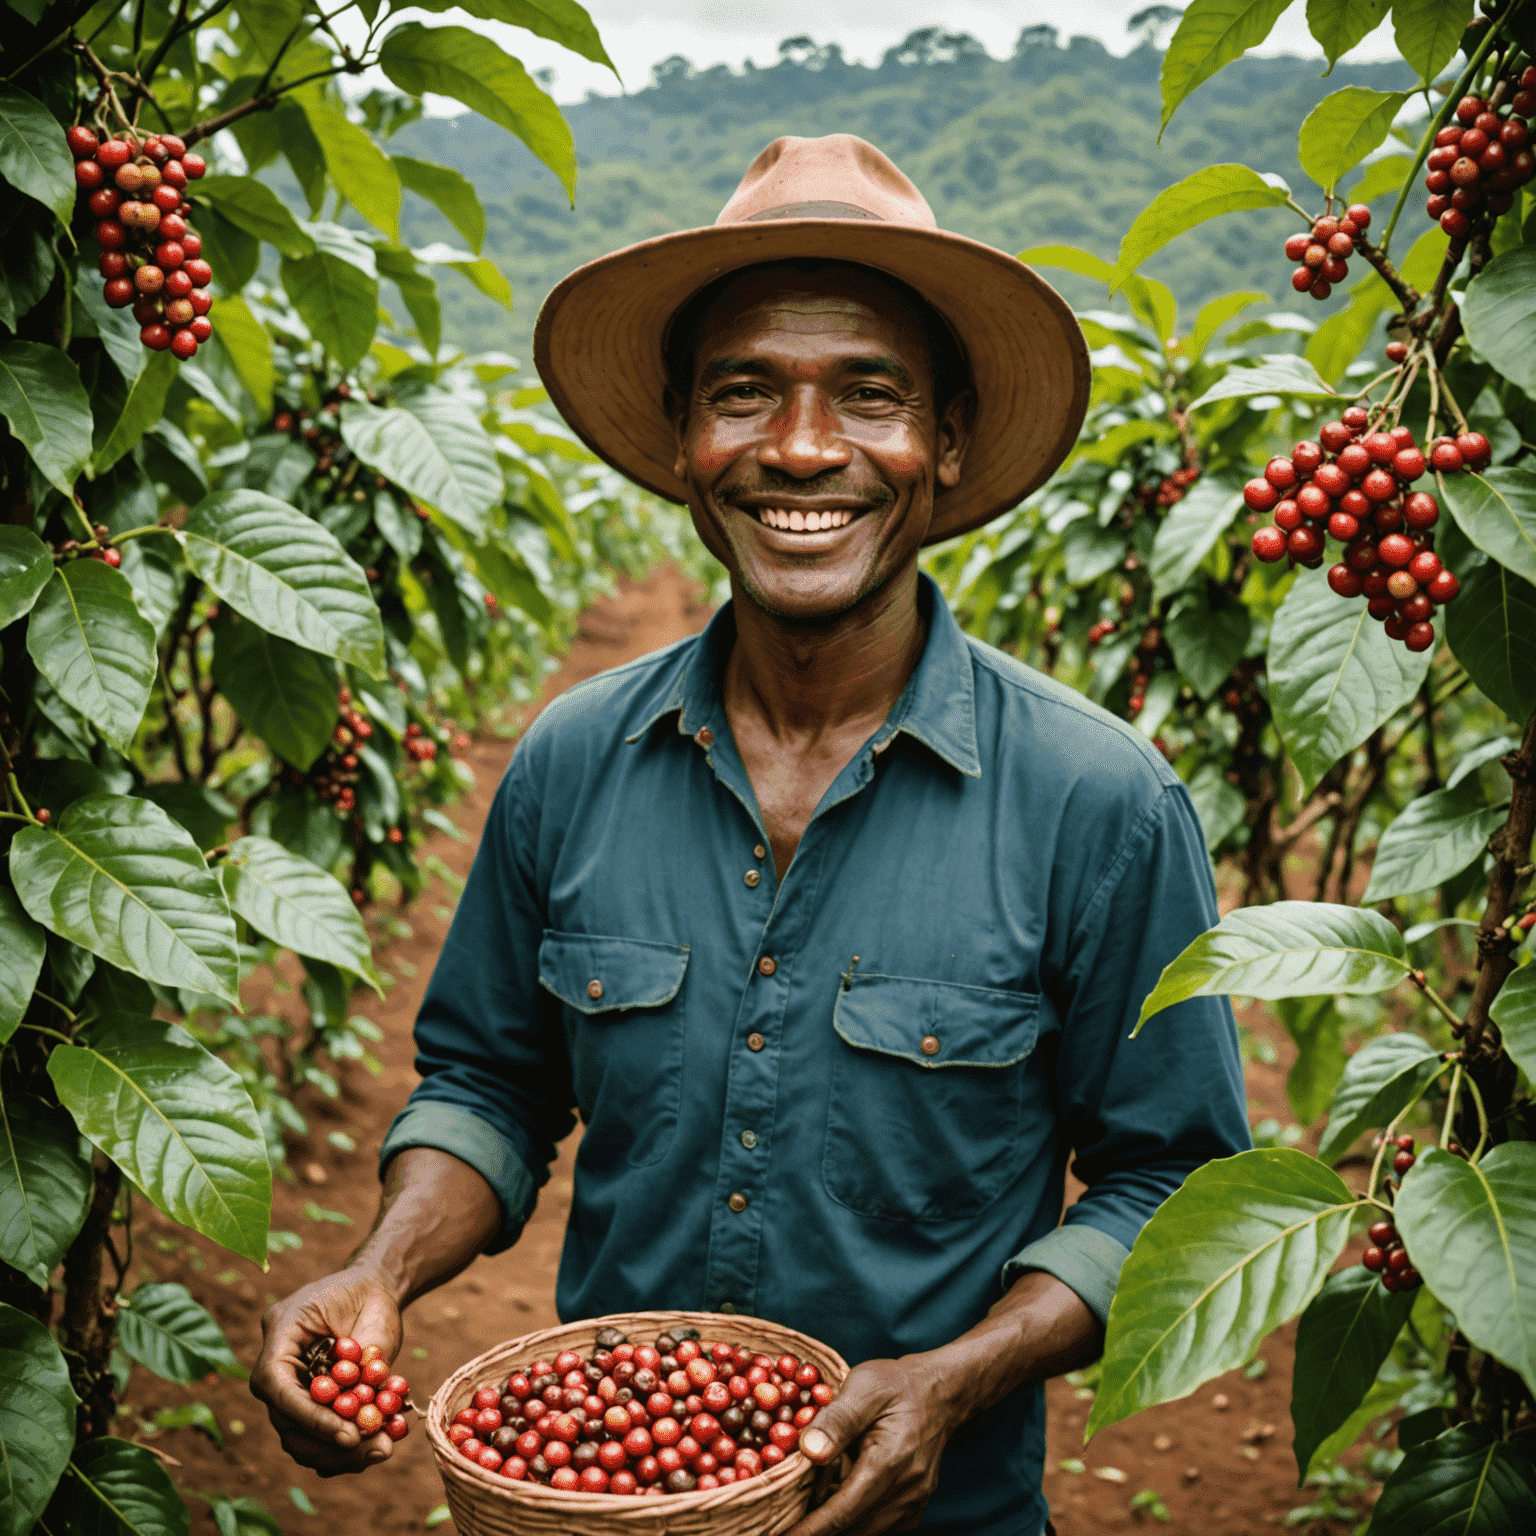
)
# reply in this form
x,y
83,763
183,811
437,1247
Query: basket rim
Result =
x,y
795,1466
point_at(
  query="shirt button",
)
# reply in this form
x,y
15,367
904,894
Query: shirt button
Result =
x,y
705,736
728,1307
767,965
738,1201
759,852
929,1045
749,1139
751,877
594,990
755,1041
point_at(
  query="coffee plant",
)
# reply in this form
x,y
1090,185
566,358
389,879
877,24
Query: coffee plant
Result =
x,y
1392,785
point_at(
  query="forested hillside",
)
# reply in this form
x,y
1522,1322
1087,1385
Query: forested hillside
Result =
x,y
1058,143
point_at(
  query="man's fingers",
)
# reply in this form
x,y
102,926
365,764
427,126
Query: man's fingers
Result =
x,y
839,1424
863,1494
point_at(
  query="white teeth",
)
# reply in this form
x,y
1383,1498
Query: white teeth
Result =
x,y
797,521
802,522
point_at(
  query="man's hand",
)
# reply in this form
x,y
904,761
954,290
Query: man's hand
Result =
x,y
353,1303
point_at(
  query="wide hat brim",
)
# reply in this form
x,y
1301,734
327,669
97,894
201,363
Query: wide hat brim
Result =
x,y
600,338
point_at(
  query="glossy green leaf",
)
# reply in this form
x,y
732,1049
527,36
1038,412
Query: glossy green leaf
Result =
x,y
1461,1483
1471,1232
1211,34
1206,194
118,877
1215,314
1337,25
252,206
45,1185
163,1328
1342,129
450,193
1282,374
1151,301
1428,32
142,410
43,400
287,695
34,158
297,905
116,1488
562,21
1435,837
1476,757
1497,511
417,290
90,641
1383,175
1238,1249
1488,629
1190,530
1220,806
204,812
1380,1080
1338,341
244,338
1206,642
358,168
1499,313
22,946
1089,551
453,61
1341,1341
1514,1011
176,1120
1317,1028
25,566
1334,676
481,271
193,1415
37,1419
336,292
1287,949
285,572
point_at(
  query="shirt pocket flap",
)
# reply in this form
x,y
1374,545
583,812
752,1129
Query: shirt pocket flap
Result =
x,y
595,974
937,1023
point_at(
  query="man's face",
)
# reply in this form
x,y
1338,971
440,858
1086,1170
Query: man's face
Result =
x,y
811,446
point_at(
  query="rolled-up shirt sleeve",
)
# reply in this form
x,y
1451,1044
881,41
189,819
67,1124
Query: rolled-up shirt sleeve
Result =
x,y
1139,1115
495,1090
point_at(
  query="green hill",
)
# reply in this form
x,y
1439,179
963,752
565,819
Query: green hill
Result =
x,y
1057,143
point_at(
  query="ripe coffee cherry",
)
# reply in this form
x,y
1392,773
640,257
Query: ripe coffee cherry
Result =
x,y
1401,585
1443,587
200,272
1402,1163
1375,582
1455,223
1296,247
370,1421
112,264
1408,464
1379,485
1287,514
1476,450
119,292
1356,503
1424,567
1361,557
1418,608
110,235
1331,480
1260,495
194,166
1320,289
178,312
1305,544
1396,549
177,285
1302,279
1421,511
1281,473
1353,460
147,311
173,227
324,1389
156,337
1343,527
1306,456
1335,269
376,1371
149,279
1334,435
1345,582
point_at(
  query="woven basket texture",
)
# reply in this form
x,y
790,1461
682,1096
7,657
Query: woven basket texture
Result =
x,y
487,1504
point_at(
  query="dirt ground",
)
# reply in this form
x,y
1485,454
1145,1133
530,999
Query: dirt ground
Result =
x,y
1220,1460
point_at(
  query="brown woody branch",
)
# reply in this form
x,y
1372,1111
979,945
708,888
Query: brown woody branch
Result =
x,y
264,103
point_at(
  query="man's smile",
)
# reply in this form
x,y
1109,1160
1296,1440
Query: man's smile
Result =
x,y
796,520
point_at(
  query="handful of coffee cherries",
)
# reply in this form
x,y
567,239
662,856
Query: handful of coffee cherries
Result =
x,y
355,1381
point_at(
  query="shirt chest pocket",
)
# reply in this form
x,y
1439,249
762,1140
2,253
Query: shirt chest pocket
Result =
x,y
625,1022
926,1094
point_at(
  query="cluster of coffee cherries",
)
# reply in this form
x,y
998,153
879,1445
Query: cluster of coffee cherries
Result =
x,y
149,257
1173,489
1352,485
355,1381
673,1416
1386,1255
418,744
1480,161
1324,250
335,774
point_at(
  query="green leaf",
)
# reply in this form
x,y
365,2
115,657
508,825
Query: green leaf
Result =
x,y
191,1416
42,398
25,566
358,168
453,195
1282,374
285,572
1220,807
1341,1341
1337,25
1499,313
1089,551
204,812
453,61
1213,316
1471,1231
177,1121
1463,1482
1380,177
1211,34
33,155
482,272
432,446
243,1517
336,292
303,908
1436,836
45,1185
163,1328
562,21
1514,1011
249,347
252,206
1287,949
1185,537
22,944
1342,129
1338,341
1238,1249
90,641
1428,32
116,1488
1382,1078
37,1419
417,289
287,695
1334,676
1207,642
142,410
233,253
1488,629
1497,511
1317,1027
118,877
1151,301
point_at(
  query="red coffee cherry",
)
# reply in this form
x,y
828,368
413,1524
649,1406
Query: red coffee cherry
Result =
x,y
1296,247
1424,566
1334,435
1344,527
1306,456
1305,544
1260,495
1380,485
1345,582
1421,511
1313,500
1281,473
1443,588
118,292
194,166
1476,450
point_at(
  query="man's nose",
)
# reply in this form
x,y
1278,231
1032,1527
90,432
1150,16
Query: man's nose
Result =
x,y
804,439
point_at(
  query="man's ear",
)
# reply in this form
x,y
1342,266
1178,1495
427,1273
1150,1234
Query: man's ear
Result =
x,y
677,413
954,438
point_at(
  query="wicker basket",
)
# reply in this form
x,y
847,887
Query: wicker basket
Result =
x,y
487,1504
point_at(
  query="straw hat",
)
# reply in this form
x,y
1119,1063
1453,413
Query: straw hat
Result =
x,y
600,340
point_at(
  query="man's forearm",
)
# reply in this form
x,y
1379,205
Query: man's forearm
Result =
x,y
435,1217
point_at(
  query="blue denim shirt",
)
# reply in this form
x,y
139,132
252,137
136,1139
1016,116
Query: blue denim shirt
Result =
x,y
844,1100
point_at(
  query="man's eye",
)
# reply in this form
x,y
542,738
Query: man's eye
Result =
x,y
739,392
867,393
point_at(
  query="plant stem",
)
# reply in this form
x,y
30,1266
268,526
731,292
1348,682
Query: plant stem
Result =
x,y
42,1029
1419,980
1482,1118
261,103
53,1002
1450,1109
1391,1130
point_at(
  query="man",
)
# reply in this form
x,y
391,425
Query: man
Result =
x,y
830,923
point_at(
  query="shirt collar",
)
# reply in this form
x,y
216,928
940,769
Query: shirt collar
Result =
x,y
937,707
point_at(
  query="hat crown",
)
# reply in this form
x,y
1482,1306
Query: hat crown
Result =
x,y
839,176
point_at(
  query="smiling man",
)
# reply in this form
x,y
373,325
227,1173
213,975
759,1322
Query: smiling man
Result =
x,y
831,924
